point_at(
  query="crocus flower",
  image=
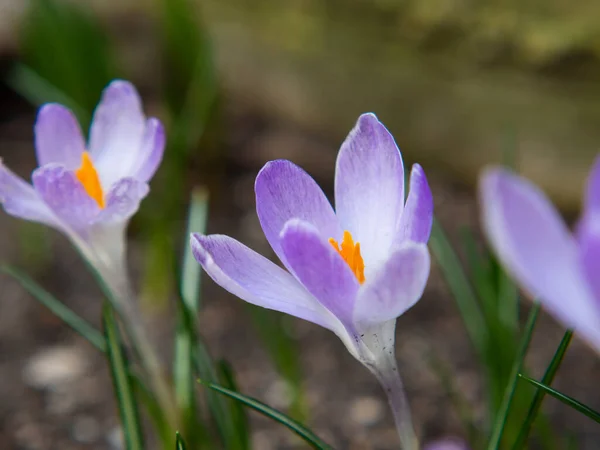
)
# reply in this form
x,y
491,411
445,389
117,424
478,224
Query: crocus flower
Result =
x,y
560,268
447,444
353,270
89,192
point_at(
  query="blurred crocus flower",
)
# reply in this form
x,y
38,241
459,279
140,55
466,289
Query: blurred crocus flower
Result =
x,y
447,444
560,268
89,192
353,270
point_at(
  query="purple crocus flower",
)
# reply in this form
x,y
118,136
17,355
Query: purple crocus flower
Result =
x,y
561,269
447,444
353,270
89,192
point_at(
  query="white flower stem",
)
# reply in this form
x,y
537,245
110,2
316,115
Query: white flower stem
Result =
x,y
385,370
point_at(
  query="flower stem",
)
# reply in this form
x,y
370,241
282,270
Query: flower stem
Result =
x,y
385,370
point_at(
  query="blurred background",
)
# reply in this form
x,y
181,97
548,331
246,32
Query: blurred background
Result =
x,y
459,83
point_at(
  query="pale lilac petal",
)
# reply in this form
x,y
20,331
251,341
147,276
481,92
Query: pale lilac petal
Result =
x,y
320,268
589,242
592,194
417,218
151,153
447,444
122,201
536,247
58,137
369,188
19,199
60,189
284,191
117,133
254,278
395,287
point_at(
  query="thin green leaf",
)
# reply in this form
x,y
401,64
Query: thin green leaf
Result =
x,y
569,401
539,395
218,406
460,287
179,442
185,337
121,381
238,411
57,308
510,388
308,436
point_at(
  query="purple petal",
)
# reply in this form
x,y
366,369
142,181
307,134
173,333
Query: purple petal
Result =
x,y
536,247
417,217
122,201
447,444
117,132
284,191
19,199
254,278
395,287
369,188
65,195
58,138
320,268
151,153
592,194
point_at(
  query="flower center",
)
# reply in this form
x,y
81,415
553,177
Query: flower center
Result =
x,y
351,254
88,177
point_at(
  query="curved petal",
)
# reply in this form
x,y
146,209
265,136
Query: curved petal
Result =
x,y
395,287
19,199
117,132
254,278
592,194
417,217
536,247
369,188
60,189
320,268
284,191
447,444
151,153
58,137
122,201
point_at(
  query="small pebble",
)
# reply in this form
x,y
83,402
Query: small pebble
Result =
x,y
55,366
366,411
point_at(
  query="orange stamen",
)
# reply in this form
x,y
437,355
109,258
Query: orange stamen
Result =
x,y
351,254
88,177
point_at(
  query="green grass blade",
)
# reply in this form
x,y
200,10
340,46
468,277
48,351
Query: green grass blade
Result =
x,y
539,395
240,418
509,392
185,337
569,401
219,407
308,436
179,442
64,313
121,381
460,287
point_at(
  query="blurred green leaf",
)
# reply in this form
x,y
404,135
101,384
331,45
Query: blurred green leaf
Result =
x,y
509,392
240,417
121,381
539,395
569,401
185,337
70,54
308,436
64,313
179,442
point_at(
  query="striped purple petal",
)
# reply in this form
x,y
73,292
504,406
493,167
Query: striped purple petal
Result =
x,y
122,201
58,137
417,217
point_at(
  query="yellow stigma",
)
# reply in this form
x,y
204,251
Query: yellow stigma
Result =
x,y
88,176
351,254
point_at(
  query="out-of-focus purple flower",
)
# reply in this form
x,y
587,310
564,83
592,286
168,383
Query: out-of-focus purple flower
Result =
x,y
560,268
447,444
89,192
356,289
